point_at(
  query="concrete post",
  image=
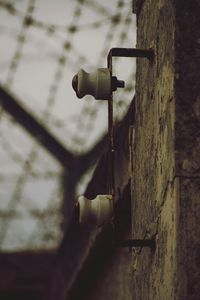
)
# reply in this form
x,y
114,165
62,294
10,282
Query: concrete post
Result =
x,y
166,183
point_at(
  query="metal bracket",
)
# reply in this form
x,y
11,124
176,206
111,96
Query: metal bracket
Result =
x,y
120,52
146,243
129,52
95,84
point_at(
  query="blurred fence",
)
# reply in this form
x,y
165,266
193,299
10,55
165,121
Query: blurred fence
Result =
x,y
43,43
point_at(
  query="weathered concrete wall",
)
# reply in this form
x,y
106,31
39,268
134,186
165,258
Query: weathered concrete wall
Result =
x,y
187,87
167,151
154,183
188,240
187,130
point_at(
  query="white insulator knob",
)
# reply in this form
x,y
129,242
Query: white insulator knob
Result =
x,y
97,211
97,84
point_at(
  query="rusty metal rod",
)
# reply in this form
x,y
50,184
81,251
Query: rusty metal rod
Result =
x,y
132,52
111,137
150,243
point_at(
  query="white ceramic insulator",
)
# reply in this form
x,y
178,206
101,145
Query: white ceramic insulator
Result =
x,y
97,84
97,211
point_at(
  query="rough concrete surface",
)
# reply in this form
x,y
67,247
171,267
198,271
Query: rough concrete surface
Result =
x,y
167,151
154,186
187,131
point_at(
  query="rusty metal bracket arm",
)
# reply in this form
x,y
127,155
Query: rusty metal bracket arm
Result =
x,y
119,52
148,243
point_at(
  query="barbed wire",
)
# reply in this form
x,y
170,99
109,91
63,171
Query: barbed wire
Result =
x,y
53,89
115,21
32,156
52,28
90,110
63,36
19,46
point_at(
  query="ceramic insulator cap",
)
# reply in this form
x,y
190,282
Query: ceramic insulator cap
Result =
x,y
97,211
97,84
